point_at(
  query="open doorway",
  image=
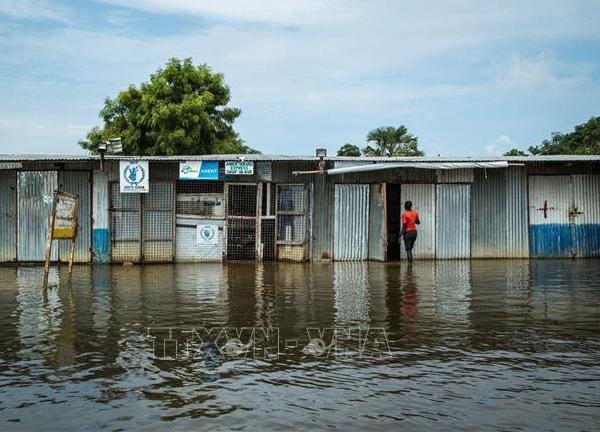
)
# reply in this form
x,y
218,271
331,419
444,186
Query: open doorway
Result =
x,y
393,211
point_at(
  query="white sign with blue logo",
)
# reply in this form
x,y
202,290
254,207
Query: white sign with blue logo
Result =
x,y
134,176
199,170
239,168
207,235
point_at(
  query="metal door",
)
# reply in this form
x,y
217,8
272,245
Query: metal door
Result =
x,y
158,222
241,213
125,225
423,199
78,183
35,193
351,222
8,216
377,223
564,220
453,221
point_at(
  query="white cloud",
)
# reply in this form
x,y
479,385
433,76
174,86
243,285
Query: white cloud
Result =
x,y
502,144
38,10
265,11
538,72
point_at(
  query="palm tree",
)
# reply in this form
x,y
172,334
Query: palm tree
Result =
x,y
391,141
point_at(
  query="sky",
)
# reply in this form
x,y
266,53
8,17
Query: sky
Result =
x,y
469,78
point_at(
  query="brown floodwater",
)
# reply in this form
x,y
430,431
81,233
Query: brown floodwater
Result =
x,y
479,345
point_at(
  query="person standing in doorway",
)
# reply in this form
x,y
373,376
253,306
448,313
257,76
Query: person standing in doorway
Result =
x,y
410,220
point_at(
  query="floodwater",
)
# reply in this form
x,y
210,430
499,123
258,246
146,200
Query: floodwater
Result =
x,y
479,345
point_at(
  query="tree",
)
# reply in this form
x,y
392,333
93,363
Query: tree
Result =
x,y
515,152
348,150
584,140
390,141
182,110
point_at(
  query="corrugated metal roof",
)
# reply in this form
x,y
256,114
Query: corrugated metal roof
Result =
x,y
263,157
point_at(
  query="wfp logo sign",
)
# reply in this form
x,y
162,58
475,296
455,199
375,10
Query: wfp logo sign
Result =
x,y
134,176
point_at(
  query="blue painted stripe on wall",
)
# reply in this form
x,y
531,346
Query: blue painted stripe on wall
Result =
x,y
550,240
564,240
100,245
587,240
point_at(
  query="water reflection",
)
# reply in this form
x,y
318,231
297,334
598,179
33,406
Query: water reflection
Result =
x,y
473,344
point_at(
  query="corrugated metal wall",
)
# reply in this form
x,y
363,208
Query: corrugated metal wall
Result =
x,y
351,222
549,228
323,199
488,217
35,193
517,221
455,176
423,199
100,205
586,215
8,216
453,221
377,223
187,247
78,183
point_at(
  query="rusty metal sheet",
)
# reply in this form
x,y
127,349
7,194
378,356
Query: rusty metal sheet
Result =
x,y
8,216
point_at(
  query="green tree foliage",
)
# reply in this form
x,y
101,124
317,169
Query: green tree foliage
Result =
x,y
182,110
515,152
391,141
348,150
584,140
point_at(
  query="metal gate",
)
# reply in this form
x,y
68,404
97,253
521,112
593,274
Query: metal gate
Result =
x,y
423,199
142,225
564,216
158,222
78,183
8,216
125,225
351,222
453,221
377,223
35,193
241,220
292,204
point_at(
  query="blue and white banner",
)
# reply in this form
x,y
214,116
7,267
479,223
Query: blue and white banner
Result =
x,y
199,170
134,176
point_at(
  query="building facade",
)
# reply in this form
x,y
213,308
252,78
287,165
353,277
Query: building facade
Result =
x,y
259,207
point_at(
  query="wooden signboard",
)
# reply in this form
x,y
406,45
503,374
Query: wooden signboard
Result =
x,y
62,226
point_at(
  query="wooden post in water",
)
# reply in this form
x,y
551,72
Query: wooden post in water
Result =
x,y
72,245
49,232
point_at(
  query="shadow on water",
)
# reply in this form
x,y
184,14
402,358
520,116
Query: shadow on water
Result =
x,y
497,344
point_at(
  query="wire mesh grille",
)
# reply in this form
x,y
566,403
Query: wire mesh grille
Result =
x,y
200,187
290,228
208,205
290,198
267,238
158,222
290,252
241,200
241,239
125,225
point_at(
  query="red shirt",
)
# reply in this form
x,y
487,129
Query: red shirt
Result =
x,y
409,218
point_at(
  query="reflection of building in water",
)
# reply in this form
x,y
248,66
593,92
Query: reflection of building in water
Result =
x,y
452,289
202,294
351,285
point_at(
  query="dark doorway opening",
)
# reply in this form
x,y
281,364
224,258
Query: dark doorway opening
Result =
x,y
393,211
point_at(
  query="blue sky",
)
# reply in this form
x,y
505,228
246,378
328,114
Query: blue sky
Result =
x,y
466,77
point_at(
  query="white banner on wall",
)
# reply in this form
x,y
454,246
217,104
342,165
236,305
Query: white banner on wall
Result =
x,y
134,176
239,168
207,234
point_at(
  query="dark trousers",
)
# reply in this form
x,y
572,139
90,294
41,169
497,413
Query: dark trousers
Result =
x,y
410,237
